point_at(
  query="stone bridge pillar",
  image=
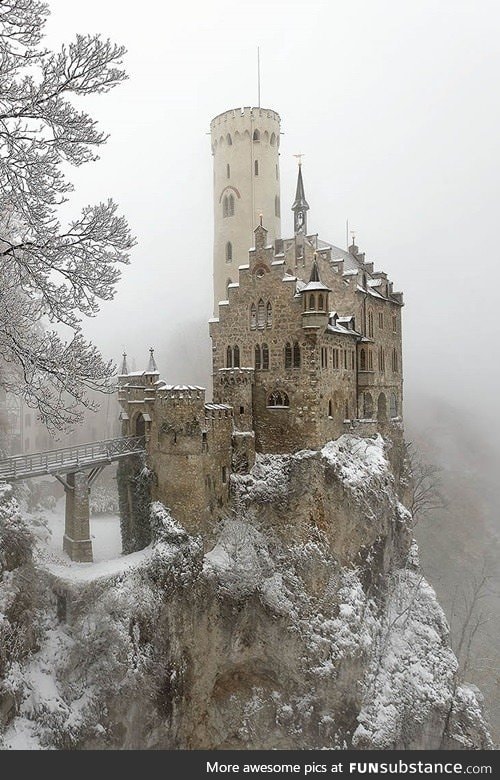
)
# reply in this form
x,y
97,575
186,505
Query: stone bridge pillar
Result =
x,y
77,542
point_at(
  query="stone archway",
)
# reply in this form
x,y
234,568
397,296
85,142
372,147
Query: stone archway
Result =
x,y
382,408
140,425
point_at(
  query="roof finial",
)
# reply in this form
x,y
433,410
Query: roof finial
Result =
x,y
299,158
152,367
260,219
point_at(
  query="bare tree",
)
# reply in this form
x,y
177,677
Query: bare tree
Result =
x,y
52,275
426,494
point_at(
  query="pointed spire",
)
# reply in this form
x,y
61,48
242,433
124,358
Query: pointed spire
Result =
x,y
300,205
124,368
152,367
314,271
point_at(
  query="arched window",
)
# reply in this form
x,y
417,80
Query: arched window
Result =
x,y
394,405
321,302
236,356
225,206
381,359
382,407
362,360
278,398
273,139
256,135
256,167
269,315
253,316
367,406
370,324
229,357
370,360
230,206
277,209
229,140
346,410
296,354
228,171
258,357
395,360
394,323
312,302
261,314
277,174
330,408
229,252
265,357
288,355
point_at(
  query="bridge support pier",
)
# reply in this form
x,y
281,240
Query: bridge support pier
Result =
x,y
77,542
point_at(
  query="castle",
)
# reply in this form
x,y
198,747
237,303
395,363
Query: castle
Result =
x,y
306,337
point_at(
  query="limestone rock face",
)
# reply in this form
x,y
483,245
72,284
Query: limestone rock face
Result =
x,y
301,621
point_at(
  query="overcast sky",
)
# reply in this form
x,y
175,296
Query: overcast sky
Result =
x,y
395,106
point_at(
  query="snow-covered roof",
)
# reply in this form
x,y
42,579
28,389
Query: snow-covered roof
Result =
x,y
342,330
219,407
181,388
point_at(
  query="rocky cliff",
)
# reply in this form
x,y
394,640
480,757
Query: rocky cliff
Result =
x,y
301,620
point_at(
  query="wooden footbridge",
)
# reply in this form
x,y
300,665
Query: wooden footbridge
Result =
x,y
76,468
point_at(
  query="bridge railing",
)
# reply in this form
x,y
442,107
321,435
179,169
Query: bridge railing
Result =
x,y
52,461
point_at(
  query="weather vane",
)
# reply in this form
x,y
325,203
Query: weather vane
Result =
x,y
299,157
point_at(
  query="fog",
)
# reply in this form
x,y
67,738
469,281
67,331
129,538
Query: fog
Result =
x,y
395,106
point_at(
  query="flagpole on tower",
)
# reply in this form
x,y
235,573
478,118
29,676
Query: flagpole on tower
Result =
x,y
258,74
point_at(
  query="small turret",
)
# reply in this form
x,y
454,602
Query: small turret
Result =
x,y
315,297
124,368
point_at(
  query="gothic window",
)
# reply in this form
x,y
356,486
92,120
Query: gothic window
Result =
x,y
229,140
273,139
228,171
370,360
296,354
381,319
276,173
394,405
311,303
253,316
225,206
265,357
269,315
367,406
395,360
229,357
324,357
261,314
394,323
288,355
236,356
330,409
381,359
346,410
230,206
256,135
277,210
258,358
224,475
370,324
256,167
346,365
353,360
335,357
321,302
278,398
229,252
362,360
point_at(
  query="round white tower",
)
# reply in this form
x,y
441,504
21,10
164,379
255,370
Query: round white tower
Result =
x,y
245,148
